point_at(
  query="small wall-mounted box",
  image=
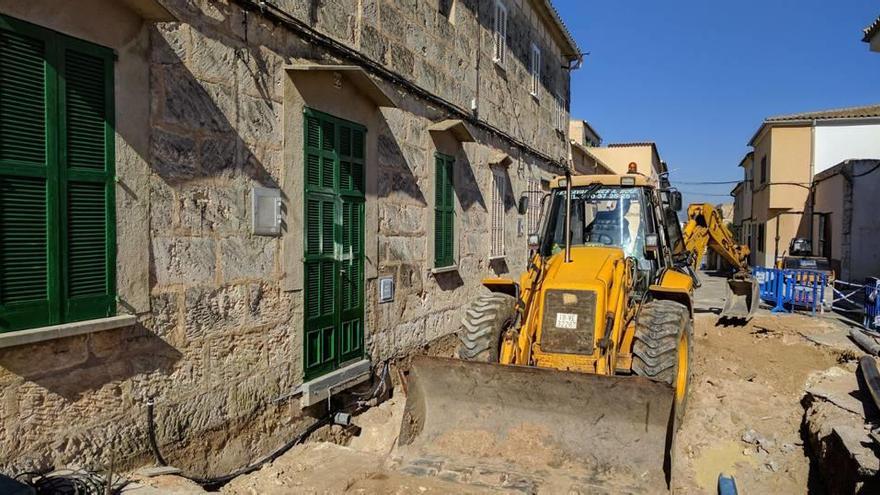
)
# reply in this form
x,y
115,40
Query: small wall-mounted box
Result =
x,y
386,289
266,211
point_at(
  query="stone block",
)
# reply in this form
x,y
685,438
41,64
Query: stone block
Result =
x,y
163,208
195,105
211,59
167,313
403,249
260,75
213,208
187,260
260,121
248,258
396,219
218,154
174,156
211,311
31,360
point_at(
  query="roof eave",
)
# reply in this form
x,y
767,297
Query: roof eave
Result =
x,y
572,51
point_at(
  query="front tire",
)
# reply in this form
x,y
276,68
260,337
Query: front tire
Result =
x,y
483,325
663,346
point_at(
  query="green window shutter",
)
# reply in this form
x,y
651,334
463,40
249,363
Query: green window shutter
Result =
x,y
27,86
57,204
86,172
444,212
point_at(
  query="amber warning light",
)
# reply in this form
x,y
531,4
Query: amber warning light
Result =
x,y
633,168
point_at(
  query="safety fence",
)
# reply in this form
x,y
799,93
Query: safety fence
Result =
x,y
788,289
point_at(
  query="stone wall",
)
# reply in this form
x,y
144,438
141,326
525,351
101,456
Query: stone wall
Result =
x,y
220,336
445,46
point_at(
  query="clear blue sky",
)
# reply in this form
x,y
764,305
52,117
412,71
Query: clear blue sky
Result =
x,y
699,76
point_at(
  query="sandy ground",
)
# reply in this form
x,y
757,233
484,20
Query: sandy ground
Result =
x,y
744,412
744,418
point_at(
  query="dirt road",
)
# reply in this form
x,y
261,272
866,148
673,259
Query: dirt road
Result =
x,y
744,418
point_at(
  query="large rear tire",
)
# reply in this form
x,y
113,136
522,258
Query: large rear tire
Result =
x,y
663,346
482,326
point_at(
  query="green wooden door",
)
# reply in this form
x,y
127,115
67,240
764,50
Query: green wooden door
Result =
x,y
333,242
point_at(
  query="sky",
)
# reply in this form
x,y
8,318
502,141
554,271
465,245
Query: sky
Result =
x,y
699,76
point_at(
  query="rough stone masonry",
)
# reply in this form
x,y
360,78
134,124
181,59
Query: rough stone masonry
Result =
x,y
219,331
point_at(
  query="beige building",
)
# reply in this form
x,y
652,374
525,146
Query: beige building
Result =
x,y
584,140
788,150
872,35
618,156
251,203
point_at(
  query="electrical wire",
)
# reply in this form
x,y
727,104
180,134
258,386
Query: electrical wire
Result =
x,y
73,482
709,183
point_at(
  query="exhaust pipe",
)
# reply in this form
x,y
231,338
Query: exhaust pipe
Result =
x,y
568,216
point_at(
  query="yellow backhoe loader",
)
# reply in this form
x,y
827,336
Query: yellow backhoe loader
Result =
x,y
705,229
574,378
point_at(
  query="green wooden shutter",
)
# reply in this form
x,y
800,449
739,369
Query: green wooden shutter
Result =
x,y
27,89
57,235
351,221
334,244
86,171
320,247
444,212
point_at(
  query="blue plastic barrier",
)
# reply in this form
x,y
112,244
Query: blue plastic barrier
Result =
x,y
790,289
872,303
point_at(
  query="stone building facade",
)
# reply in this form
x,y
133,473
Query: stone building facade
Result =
x,y
397,138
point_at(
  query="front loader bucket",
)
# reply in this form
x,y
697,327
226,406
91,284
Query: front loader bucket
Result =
x,y
742,298
538,430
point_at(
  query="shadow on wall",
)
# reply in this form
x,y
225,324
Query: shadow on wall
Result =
x,y
466,187
396,172
197,126
74,366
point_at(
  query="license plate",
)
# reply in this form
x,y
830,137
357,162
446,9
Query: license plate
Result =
x,y
566,320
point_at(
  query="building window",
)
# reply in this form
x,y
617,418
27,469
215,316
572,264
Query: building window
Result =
x,y
760,247
57,201
500,33
496,249
533,215
560,117
536,70
764,169
444,211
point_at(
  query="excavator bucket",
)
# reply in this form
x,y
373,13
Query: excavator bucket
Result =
x,y
742,298
536,430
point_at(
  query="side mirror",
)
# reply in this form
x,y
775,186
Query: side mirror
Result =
x,y
675,200
523,206
652,246
534,242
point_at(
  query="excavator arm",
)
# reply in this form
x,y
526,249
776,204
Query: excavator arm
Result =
x,y
706,230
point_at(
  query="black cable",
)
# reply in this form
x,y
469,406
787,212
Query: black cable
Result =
x,y
72,482
151,433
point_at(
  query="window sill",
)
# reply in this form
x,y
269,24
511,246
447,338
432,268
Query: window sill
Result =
x,y
444,269
499,63
42,334
497,257
534,96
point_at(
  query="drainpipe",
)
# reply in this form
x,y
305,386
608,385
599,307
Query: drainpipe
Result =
x,y
812,192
